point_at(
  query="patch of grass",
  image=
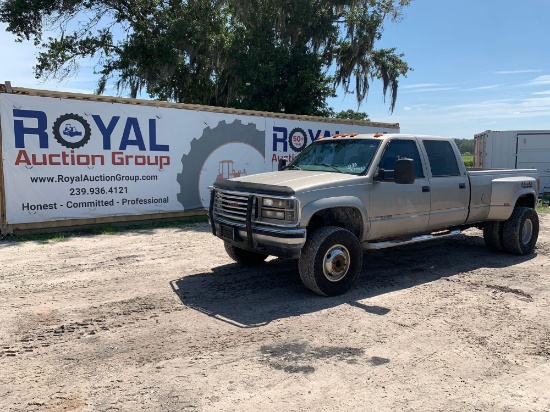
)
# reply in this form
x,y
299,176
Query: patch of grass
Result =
x,y
61,237
543,206
43,239
468,160
106,229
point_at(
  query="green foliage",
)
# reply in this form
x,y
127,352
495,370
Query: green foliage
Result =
x,y
350,114
543,208
465,145
544,204
468,160
271,55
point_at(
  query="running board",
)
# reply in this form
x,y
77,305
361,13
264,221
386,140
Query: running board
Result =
x,y
409,240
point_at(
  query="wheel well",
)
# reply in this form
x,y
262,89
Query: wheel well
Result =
x,y
526,201
346,217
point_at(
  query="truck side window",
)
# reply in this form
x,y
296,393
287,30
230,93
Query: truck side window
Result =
x,y
442,158
399,149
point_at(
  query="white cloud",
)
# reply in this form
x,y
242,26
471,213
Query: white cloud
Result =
x,y
547,92
430,89
471,116
492,86
419,85
517,71
466,119
541,80
500,109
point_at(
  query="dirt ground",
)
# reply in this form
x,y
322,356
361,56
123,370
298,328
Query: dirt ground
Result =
x,y
162,320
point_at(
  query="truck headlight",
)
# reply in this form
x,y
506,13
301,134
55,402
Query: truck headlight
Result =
x,y
273,208
273,214
278,203
266,201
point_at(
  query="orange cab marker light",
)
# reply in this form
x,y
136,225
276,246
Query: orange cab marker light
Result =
x,y
378,135
335,135
353,134
344,135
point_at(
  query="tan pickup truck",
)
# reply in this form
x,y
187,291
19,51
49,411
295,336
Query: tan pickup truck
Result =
x,y
349,193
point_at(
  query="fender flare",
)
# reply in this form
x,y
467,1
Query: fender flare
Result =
x,y
333,202
505,192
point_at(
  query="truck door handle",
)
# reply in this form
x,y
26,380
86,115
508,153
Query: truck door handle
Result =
x,y
462,185
425,188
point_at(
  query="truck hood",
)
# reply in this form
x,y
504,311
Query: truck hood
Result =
x,y
287,182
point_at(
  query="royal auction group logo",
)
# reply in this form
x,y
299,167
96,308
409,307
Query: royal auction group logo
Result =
x,y
297,139
71,130
132,143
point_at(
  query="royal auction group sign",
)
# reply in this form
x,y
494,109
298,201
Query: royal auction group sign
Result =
x,y
76,159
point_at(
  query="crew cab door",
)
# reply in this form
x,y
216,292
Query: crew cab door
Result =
x,y
398,209
449,185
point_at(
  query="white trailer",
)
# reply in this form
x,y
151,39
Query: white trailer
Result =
x,y
517,149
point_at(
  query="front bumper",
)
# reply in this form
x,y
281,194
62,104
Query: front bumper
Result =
x,y
284,243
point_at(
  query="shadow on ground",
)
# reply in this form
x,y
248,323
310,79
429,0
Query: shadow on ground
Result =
x,y
252,297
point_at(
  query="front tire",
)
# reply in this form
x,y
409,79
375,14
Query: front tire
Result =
x,y
331,261
243,256
521,231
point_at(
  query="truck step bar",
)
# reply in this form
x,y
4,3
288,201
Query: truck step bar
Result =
x,y
409,240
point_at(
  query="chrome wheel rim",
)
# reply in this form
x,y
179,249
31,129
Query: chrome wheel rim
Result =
x,y
336,263
527,232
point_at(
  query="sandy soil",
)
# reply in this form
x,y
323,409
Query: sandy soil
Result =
x,y
162,320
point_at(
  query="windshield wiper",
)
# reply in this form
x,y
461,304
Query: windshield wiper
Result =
x,y
327,165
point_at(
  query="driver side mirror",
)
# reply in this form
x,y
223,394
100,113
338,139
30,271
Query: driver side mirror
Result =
x,y
281,165
404,173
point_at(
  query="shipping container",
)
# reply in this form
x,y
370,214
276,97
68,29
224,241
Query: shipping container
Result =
x,y
517,149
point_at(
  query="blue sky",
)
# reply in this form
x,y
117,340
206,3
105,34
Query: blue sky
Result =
x,y
478,65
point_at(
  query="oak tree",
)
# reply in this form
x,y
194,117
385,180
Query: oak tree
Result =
x,y
273,55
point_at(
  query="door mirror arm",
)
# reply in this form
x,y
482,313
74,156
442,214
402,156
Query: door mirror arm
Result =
x,y
379,175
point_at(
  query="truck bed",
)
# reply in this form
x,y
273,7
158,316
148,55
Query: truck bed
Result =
x,y
488,197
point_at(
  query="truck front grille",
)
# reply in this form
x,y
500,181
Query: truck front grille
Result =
x,y
230,205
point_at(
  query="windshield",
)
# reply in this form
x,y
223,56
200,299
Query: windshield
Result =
x,y
337,155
